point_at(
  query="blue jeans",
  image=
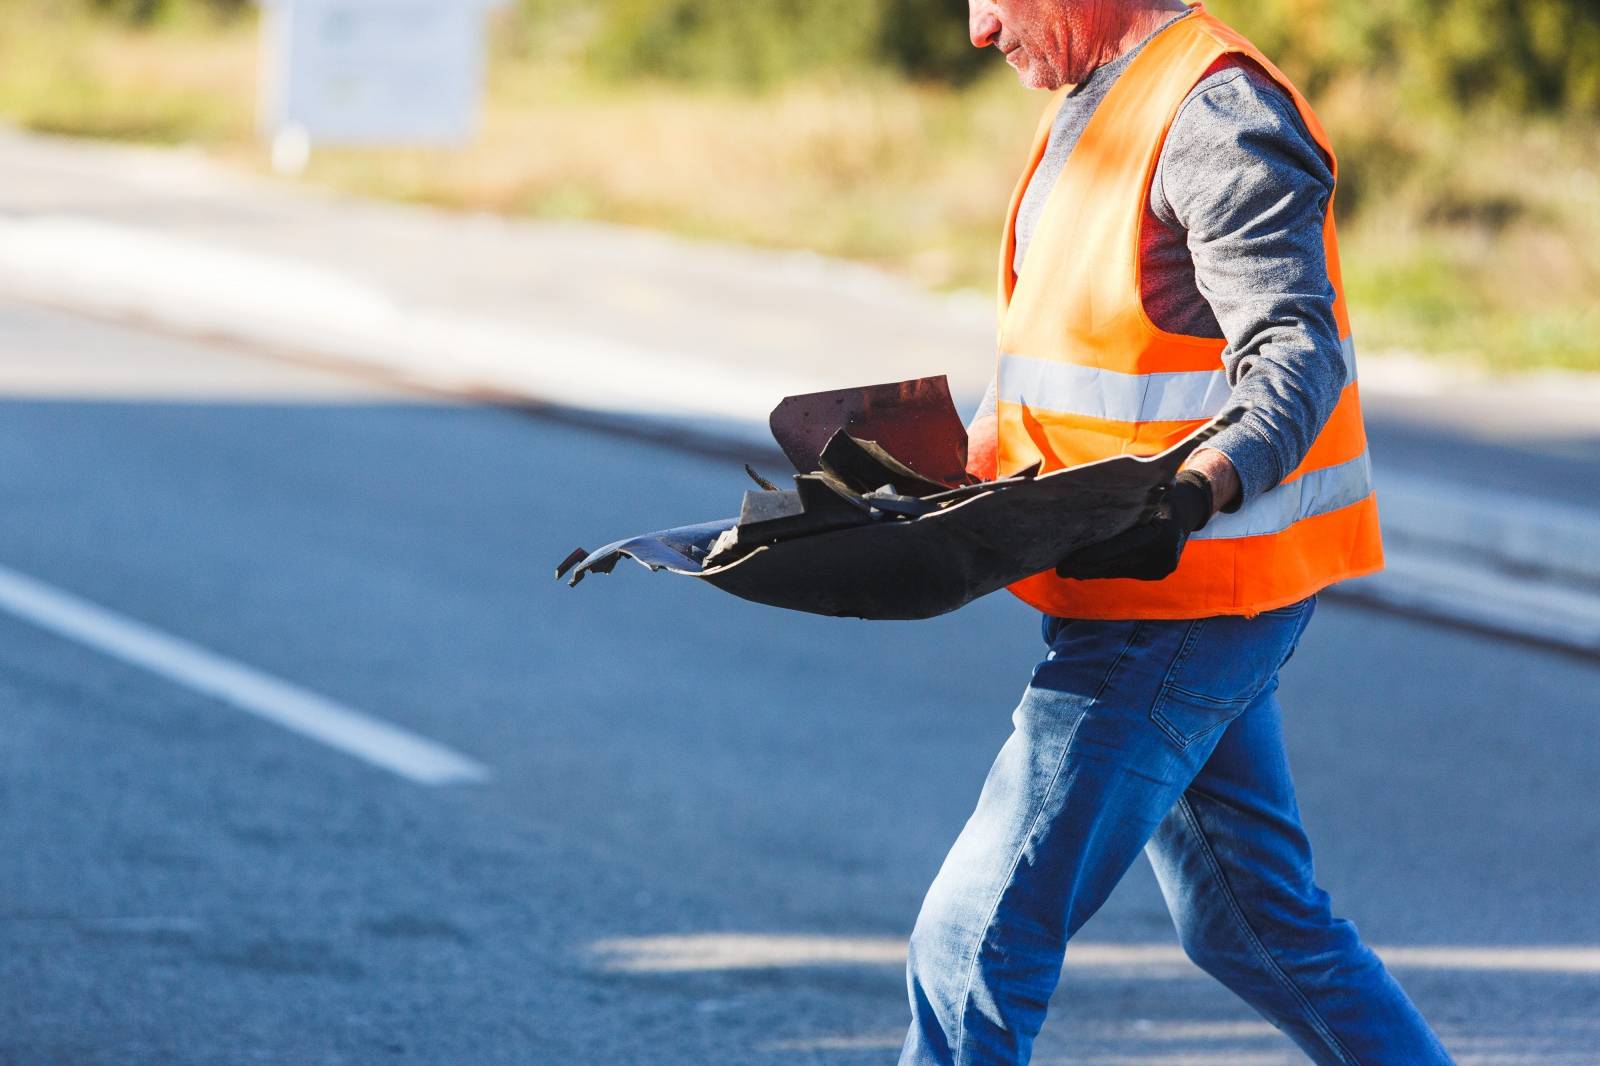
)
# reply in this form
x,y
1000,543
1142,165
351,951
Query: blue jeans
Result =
x,y
1164,736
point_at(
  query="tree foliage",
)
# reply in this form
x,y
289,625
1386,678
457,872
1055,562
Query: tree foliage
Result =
x,y
147,12
758,42
1527,54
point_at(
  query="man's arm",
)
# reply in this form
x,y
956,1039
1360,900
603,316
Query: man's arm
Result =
x,y
1247,184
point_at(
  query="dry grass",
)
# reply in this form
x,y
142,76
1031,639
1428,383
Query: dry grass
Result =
x,y
61,72
1476,240
913,179
1477,236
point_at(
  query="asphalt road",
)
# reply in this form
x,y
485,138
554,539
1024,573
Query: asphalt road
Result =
x,y
708,825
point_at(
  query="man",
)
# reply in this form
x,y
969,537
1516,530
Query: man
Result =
x,y
1170,250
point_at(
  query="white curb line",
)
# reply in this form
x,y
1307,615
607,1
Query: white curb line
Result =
x,y
191,287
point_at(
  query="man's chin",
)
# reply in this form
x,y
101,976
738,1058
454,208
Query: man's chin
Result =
x,y
1033,74
1040,78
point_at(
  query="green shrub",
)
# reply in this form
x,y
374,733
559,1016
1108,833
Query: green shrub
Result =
x,y
1528,55
148,12
760,42
746,42
928,39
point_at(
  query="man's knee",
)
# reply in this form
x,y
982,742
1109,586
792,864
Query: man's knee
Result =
x,y
934,980
943,938
930,953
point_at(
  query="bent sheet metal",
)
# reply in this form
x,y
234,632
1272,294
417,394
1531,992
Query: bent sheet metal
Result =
x,y
884,524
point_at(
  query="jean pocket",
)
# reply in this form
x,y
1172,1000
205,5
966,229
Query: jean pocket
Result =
x,y
1186,716
1223,666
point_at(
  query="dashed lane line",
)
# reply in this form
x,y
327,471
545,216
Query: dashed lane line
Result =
x,y
241,687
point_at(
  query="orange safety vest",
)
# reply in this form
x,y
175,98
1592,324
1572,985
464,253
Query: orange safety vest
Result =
x,y
1084,374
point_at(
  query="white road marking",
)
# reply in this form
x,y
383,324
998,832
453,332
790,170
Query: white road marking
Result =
x,y
1511,532
1437,583
306,713
753,951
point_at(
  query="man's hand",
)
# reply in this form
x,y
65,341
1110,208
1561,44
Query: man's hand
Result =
x,y
983,448
1150,550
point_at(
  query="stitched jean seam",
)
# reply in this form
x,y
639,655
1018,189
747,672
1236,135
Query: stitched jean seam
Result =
x,y
1033,828
1191,637
1253,938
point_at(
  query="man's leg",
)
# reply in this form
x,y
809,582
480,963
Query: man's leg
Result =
x,y
1106,739
1235,867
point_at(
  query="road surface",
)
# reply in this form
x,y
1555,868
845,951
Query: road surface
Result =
x,y
702,828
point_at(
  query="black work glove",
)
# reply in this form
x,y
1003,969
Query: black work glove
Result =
x,y
1148,551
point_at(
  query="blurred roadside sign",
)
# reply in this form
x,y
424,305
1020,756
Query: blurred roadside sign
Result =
x,y
370,72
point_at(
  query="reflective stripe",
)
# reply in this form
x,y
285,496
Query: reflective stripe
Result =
x,y
1067,388
1314,493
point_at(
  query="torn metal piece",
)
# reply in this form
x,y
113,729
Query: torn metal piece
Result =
x,y
758,479
863,465
681,550
819,503
816,506
570,561
961,492
772,516
914,421
982,539
824,492
723,548
761,507
889,502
